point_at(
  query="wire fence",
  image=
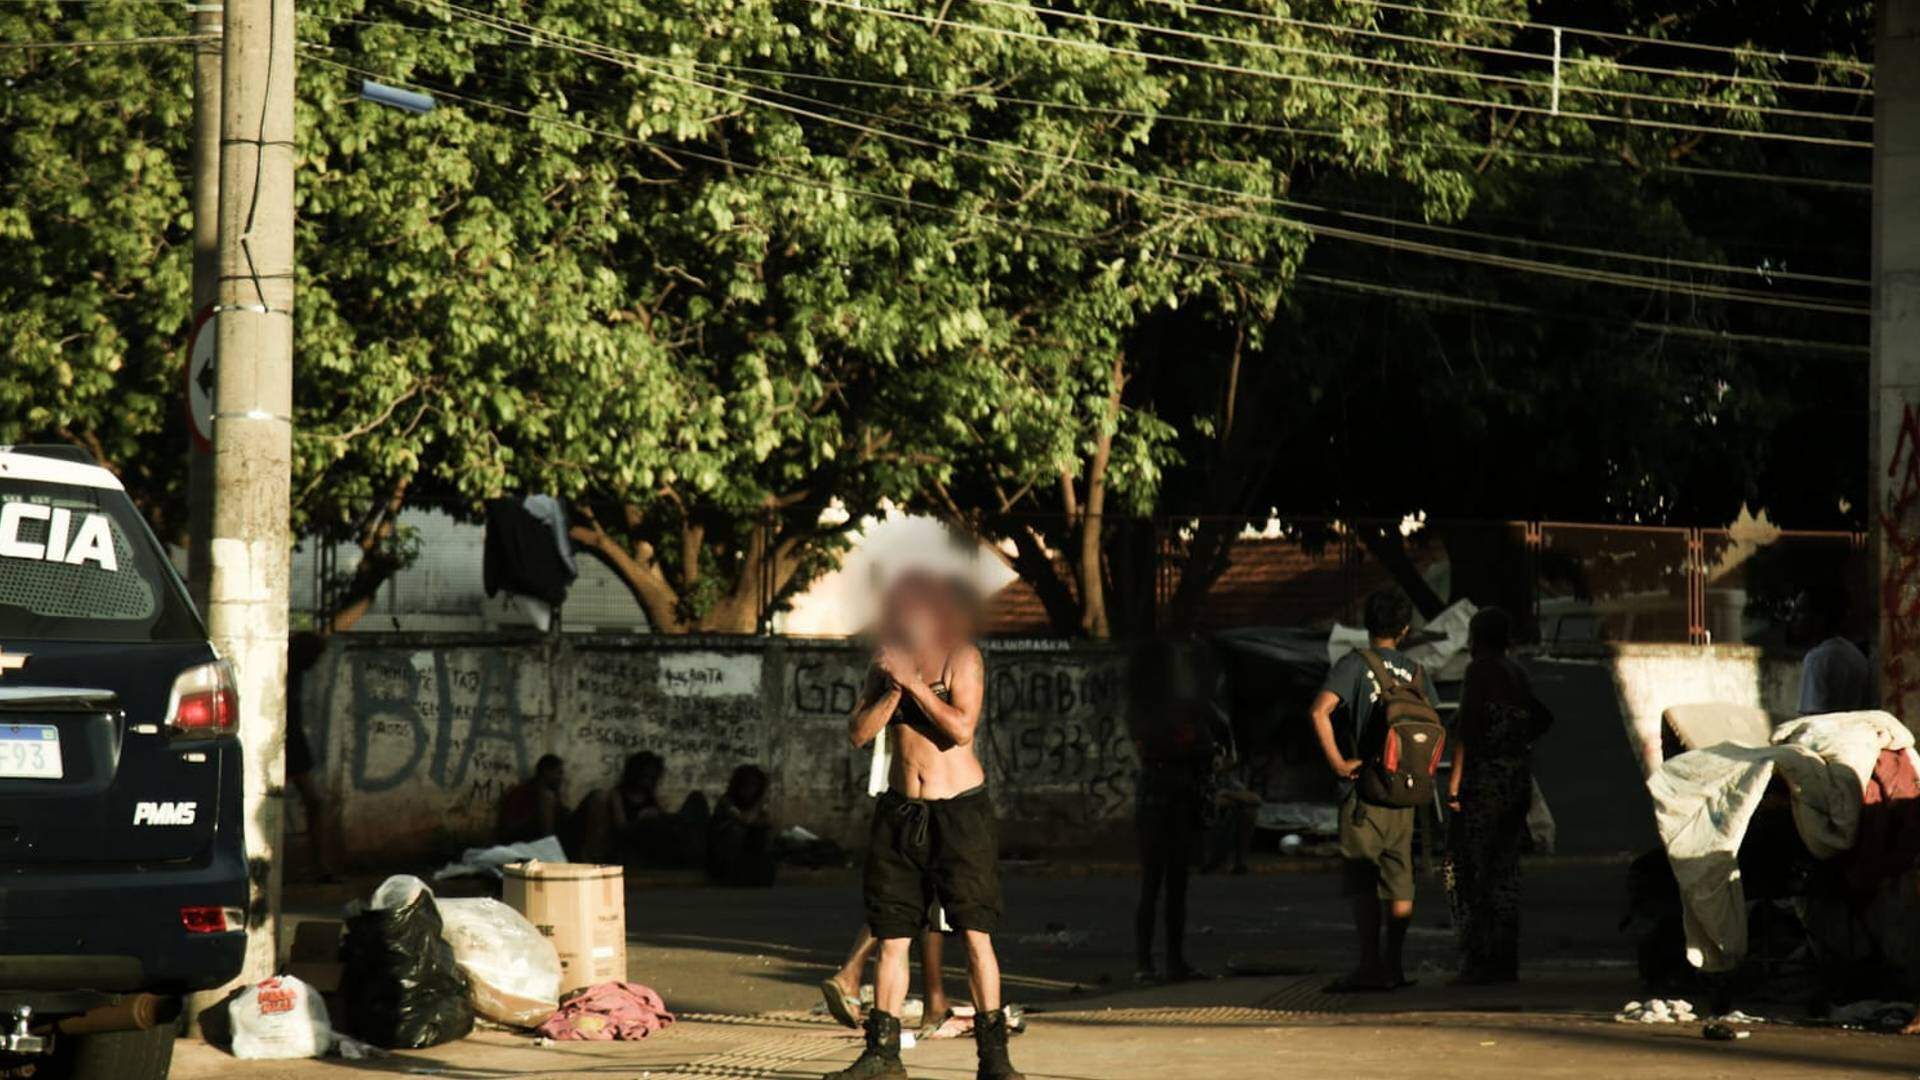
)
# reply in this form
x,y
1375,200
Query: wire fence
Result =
x,y
1565,582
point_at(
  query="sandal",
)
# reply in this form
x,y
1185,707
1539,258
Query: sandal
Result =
x,y
949,1026
842,1006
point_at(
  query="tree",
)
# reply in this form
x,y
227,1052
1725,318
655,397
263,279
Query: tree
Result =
x,y
94,236
731,278
1244,111
1393,383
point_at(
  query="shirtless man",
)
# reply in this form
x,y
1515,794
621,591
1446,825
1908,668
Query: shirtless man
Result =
x,y
933,837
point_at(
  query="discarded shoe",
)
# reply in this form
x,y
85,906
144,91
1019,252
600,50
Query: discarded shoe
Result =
x,y
990,1038
881,1059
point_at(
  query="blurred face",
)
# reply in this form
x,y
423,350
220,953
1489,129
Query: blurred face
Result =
x,y
554,777
911,618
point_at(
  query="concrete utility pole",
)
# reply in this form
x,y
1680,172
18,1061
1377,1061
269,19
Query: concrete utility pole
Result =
x,y
207,20
253,427
1895,406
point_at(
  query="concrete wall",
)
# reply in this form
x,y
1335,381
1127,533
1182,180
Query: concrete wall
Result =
x,y
420,734
1607,702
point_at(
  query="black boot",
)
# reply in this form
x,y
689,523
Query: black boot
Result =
x,y
990,1038
881,1059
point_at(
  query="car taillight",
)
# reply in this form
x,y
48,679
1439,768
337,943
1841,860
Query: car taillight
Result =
x,y
212,919
203,702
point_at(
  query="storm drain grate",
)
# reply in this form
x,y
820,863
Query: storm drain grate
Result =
x,y
771,1018
761,1059
1305,995
1301,997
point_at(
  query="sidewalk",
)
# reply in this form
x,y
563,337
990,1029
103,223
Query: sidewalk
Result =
x,y
741,967
1205,1031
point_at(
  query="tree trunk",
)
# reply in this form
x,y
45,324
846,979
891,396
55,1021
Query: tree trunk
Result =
x,y
1492,567
1209,552
641,573
1389,547
1041,573
376,566
1091,527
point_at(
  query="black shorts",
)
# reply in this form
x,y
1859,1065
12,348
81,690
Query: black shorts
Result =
x,y
926,851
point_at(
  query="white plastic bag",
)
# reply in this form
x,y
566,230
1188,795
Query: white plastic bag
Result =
x,y
280,1017
1540,826
513,971
397,892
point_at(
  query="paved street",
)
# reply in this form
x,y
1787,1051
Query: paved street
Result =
x,y
740,967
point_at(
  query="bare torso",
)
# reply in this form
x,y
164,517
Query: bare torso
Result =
x,y
925,764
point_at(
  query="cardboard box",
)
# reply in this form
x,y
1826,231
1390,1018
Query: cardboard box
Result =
x,y
582,909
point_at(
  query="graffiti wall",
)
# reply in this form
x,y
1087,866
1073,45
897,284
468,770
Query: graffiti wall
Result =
x,y
420,735
1900,571
1057,751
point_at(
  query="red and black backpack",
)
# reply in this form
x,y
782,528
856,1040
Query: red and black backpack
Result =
x,y
1405,741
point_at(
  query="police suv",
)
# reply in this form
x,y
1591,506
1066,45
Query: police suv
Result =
x,y
123,874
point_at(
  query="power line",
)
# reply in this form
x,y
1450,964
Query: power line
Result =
x,y
1639,39
104,43
1662,260
1607,253
1465,149
1450,99
994,96
913,204
607,53
1513,53
696,155
1730,337
1431,69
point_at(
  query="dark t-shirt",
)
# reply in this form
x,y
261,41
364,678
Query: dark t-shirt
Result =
x,y
1351,680
1496,720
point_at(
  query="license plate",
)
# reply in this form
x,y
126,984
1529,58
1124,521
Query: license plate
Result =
x,y
30,750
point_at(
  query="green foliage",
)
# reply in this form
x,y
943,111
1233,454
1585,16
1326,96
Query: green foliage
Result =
x,y
707,268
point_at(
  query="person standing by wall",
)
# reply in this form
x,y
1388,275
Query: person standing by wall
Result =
x,y
1835,676
1168,705
1376,840
304,650
1489,791
933,832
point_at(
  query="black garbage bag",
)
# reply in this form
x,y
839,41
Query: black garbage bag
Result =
x,y
403,989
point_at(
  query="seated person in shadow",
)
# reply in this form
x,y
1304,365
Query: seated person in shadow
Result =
x,y
626,824
532,808
739,838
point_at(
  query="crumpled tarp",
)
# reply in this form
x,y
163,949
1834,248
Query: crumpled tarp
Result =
x,y
1435,645
487,861
1704,799
608,1010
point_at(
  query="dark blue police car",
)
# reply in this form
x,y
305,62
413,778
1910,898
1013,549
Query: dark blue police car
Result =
x,y
123,876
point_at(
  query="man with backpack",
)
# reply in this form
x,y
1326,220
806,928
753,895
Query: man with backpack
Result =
x,y
1384,755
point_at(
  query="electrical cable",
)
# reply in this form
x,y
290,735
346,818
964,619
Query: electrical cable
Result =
x,y
1465,149
612,54
102,43
1430,69
1639,39
1512,53
1310,80
881,196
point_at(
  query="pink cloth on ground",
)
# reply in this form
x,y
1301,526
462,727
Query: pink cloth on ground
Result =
x,y
608,1010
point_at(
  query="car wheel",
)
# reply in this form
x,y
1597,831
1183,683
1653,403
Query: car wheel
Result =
x,y
124,1055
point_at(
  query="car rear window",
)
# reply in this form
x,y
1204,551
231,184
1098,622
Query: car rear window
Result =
x,y
78,564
